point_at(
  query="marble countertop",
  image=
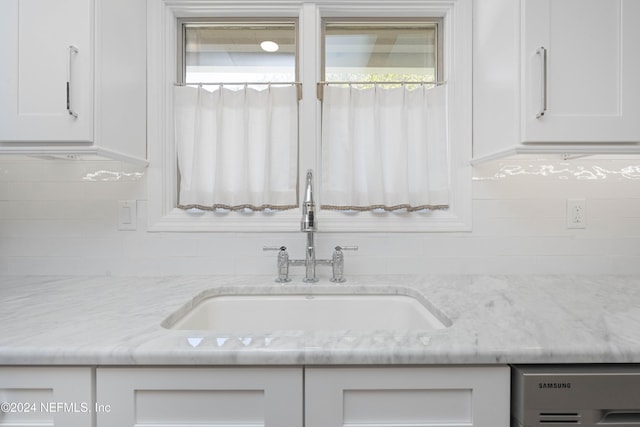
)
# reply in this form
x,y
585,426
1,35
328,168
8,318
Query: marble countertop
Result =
x,y
494,320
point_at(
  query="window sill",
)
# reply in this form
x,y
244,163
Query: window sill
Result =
x,y
178,220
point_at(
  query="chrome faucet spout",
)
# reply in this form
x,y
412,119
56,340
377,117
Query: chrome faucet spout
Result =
x,y
309,226
308,222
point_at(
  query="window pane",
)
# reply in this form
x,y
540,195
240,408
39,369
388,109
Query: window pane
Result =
x,y
405,51
235,53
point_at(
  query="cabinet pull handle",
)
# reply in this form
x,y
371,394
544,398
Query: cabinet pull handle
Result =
x,y
542,51
72,50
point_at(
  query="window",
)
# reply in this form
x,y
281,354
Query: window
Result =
x,y
416,40
236,115
370,50
237,52
384,139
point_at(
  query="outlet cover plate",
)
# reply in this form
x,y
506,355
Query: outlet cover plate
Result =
x,y
576,213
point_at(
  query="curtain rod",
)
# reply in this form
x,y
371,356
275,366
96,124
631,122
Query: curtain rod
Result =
x,y
322,84
238,84
403,82
298,85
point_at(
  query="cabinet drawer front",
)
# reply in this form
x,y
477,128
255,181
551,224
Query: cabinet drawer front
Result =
x,y
42,396
220,397
407,396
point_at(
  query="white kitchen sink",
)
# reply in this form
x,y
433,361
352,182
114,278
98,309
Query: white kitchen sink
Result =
x,y
318,312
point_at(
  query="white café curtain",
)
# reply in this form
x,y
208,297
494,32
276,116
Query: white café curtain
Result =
x,y
237,149
384,148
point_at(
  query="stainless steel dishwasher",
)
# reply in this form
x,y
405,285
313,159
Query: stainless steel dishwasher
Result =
x,y
575,395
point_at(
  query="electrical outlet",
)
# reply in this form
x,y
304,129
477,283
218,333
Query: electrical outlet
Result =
x,y
576,213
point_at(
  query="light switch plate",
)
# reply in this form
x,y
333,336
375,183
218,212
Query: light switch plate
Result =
x,y
127,215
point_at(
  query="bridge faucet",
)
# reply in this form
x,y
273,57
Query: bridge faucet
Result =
x,y
309,225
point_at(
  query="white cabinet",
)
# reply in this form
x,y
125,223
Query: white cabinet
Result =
x,y
270,396
588,51
407,396
73,78
219,396
554,72
46,396
460,396
46,76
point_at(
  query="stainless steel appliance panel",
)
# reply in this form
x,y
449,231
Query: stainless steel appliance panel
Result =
x,y
575,395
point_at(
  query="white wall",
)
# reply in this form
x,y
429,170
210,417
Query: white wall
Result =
x,y
60,217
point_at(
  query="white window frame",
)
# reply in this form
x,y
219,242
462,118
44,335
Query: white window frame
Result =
x,y
162,56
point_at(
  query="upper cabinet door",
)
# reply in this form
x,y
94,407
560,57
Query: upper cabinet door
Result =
x,y
46,72
581,68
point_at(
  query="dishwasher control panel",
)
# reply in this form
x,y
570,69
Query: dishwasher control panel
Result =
x,y
575,395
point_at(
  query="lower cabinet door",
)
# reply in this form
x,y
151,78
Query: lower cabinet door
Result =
x,y
407,396
203,397
46,396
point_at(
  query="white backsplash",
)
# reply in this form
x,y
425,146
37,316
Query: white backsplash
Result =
x,y
60,217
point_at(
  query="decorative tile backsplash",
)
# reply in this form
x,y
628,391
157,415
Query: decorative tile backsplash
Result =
x,y
61,217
